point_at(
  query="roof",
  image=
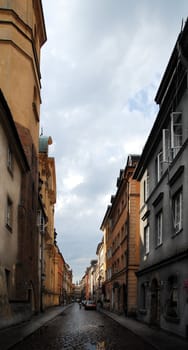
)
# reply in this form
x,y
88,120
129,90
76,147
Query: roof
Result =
x,y
180,51
166,96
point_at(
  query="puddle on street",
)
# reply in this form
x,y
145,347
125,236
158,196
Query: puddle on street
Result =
x,y
96,346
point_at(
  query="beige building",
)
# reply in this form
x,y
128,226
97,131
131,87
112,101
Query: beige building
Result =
x,y
50,250
100,271
67,283
22,35
13,165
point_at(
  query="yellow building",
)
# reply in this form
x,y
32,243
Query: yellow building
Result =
x,y
22,35
13,165
21,38
50,292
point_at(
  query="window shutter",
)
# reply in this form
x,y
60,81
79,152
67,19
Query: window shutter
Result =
x,y
176,131
165,136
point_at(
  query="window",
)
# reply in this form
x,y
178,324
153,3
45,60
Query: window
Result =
x,y
159,165
146,239
143,296
9,214
166,146
172,301
109,253
41,221
109,273
146,188
177,211
10,160
176,132
159,228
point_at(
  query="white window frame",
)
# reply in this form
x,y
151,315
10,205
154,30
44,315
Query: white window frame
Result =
x,y
176,132
146,188
159,228
166,146
178,211
41,221
146,239
159,164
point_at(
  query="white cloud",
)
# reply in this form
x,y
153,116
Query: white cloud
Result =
x,y
72,181
101,68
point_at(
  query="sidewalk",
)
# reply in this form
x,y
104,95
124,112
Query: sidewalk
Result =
x,y
159,339
15,334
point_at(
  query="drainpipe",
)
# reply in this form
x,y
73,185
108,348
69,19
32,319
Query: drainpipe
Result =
x,y
127,260
42,271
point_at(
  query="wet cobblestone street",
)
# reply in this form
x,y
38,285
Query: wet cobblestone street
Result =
x,y
82,330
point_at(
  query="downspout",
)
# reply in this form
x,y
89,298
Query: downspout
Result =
x,y
128,232
42,271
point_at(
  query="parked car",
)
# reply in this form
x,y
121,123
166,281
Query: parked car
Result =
x,y
90,305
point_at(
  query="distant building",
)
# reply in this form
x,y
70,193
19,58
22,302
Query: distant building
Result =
x,y
67,284
76,292
50,250
163,175
100,272
121,236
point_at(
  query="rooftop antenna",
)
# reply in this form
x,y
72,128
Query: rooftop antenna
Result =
x,y
41,132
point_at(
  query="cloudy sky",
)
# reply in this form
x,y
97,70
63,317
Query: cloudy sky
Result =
x,y
101,67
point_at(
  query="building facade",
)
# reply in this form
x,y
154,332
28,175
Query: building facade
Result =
x,y
163,175
14,167
100,272
50,250
121,235
21,38
67,284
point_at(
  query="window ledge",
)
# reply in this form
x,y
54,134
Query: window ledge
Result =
x,y
159,245
146,256
177,233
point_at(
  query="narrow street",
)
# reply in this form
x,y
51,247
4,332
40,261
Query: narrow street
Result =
x,y
79,329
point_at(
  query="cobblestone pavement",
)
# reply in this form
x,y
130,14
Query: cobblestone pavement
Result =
x,y
82,330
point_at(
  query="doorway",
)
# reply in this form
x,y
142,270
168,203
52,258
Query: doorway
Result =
x,y
154,312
